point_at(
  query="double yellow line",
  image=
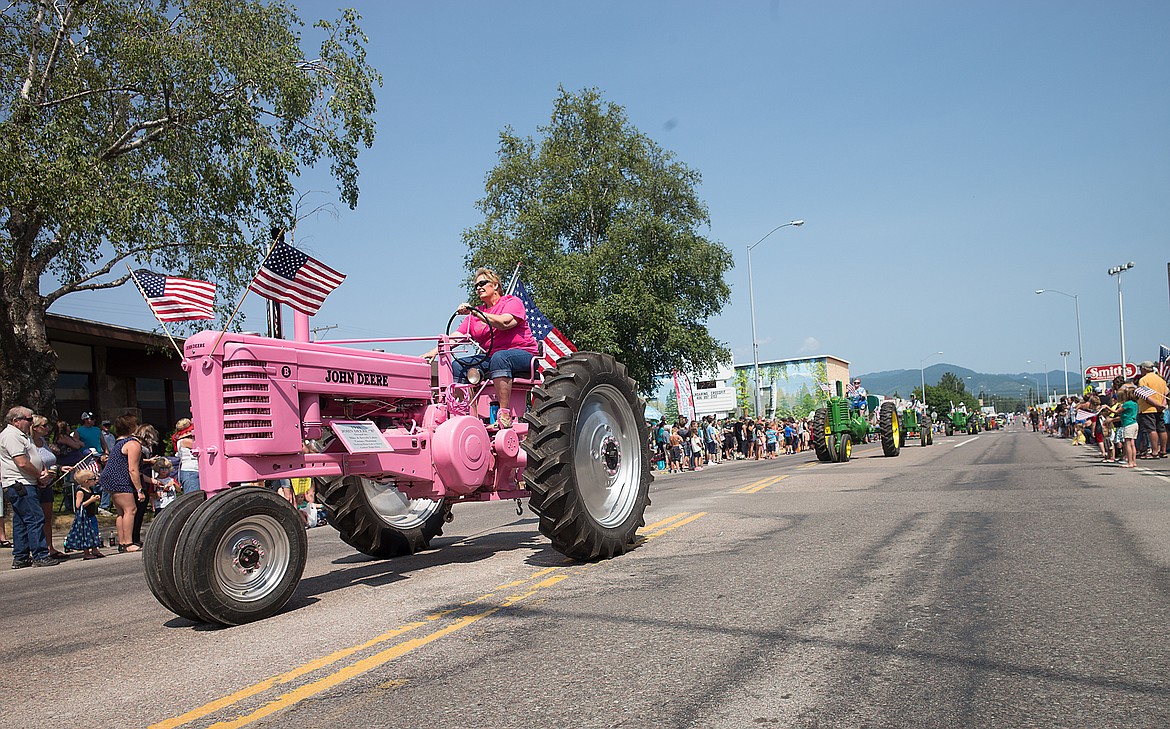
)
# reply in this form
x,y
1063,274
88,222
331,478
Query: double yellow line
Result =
x,y
763,483
543,579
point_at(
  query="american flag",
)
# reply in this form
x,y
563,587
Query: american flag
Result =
x,y
176,299
850,389
1151,396
556,344
826,388
289,276
1164,361
89,463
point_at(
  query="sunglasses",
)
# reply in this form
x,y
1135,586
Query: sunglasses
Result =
x,y
481,284
22,418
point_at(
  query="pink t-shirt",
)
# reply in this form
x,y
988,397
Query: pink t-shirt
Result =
x,y
518,337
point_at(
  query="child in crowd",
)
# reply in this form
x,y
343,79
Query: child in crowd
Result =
x,y
676,452
85,533
165,487
1127,424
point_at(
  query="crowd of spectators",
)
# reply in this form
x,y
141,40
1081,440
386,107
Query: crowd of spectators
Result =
x,y
1126,422
85,470
690,445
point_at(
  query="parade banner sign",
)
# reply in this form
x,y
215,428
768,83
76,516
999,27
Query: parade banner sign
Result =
x,y
686,401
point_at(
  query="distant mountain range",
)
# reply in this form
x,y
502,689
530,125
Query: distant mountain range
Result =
x,y
904,381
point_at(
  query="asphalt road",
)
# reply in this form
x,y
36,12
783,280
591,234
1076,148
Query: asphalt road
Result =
x,y
1000,580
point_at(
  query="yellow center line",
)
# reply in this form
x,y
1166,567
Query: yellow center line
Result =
x,y
684,522
262,686
663,522
776,480
810,464
744,489
268,683
367,664
551,575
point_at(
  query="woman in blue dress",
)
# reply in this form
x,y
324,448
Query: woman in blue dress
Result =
x,y
122,479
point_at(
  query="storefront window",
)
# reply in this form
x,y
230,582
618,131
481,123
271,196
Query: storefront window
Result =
x,y
72,392
152,402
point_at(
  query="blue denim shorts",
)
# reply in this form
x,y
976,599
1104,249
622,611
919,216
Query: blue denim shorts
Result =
x,y
505,363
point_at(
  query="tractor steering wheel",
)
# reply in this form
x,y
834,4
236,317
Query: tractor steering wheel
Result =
x,y
478,360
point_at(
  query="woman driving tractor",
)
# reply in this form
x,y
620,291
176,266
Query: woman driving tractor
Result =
x,y
499,327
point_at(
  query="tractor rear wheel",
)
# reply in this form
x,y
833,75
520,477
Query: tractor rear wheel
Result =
x,y
158,554
845,448
378,519
241,555
588,466
890,428
925,433
819,439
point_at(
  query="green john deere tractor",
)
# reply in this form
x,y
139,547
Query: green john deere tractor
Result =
x,y
838,425
960,421
913,426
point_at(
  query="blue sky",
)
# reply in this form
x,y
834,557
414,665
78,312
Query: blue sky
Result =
x,y
949,159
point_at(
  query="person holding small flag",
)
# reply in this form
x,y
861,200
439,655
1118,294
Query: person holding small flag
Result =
x,y
505,337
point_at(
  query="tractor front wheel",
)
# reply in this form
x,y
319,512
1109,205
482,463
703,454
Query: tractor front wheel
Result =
x,y
925,432
378,519
890,428
950,429
588,466
241,555
845,448
158,554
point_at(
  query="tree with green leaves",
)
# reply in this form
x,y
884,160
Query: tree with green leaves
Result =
x,y
949,391
605,225
158,133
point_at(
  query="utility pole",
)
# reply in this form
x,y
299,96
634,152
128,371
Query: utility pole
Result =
x,y
314,330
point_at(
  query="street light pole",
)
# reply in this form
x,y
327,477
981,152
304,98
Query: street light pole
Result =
x,y
1077,303
1065,355
752,296
922,371
1117,271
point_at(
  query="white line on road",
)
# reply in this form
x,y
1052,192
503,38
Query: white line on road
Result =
x,y
960,445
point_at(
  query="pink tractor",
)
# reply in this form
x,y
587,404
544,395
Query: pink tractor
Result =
x,y
393,443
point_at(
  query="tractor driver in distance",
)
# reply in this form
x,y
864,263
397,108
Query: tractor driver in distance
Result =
x,y
512,347
859,395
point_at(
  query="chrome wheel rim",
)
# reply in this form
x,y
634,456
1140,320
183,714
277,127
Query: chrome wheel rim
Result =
x,y
607,456
252,558
394,508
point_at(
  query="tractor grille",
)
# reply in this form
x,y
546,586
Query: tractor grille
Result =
x,y
247,411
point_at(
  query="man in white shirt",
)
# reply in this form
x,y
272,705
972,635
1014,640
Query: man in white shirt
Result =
x,y
21,472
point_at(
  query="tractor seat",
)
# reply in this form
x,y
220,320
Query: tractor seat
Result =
x,y
533,377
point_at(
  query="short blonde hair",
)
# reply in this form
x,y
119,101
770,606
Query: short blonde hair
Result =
x,y
489,273
183,424
39,420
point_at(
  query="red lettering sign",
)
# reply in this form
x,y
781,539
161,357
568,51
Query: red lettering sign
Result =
x,y
1104,373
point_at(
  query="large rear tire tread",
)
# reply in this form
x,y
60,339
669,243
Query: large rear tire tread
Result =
x,y
158,554
890,428
557,497
245,526
362,528
820,446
